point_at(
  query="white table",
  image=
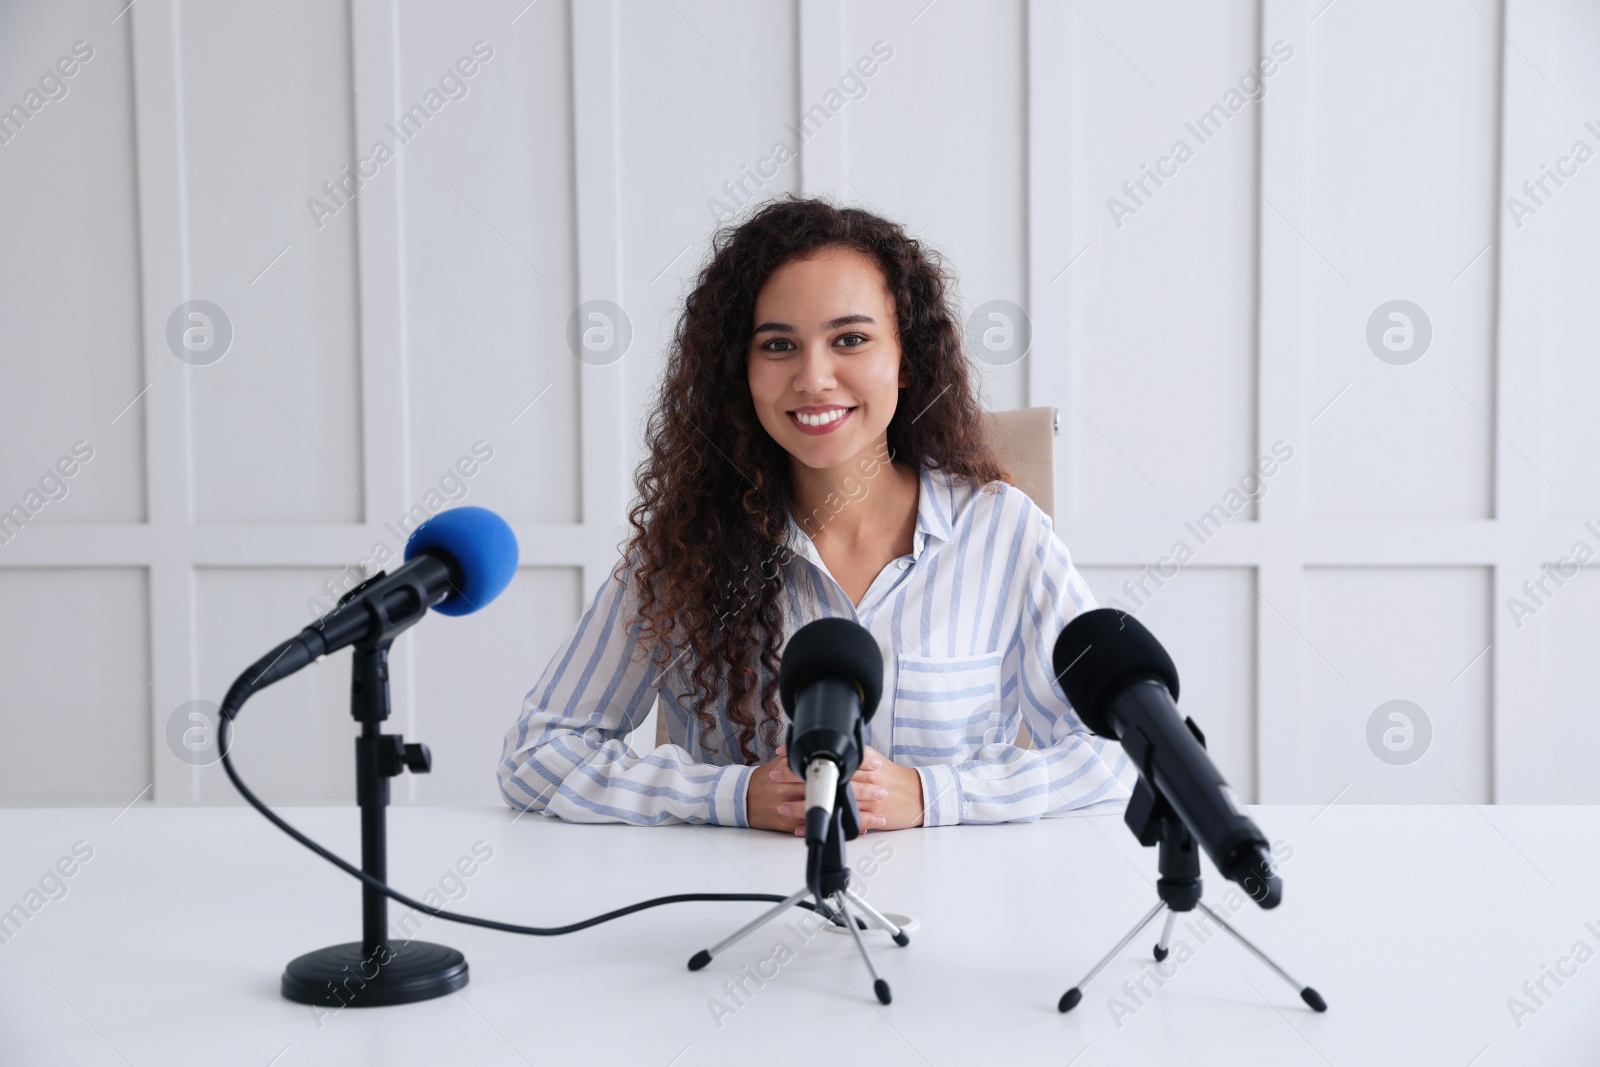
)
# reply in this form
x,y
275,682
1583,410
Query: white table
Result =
x,y
1416,923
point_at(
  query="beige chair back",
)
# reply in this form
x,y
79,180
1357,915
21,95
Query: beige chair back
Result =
x,y
1024,442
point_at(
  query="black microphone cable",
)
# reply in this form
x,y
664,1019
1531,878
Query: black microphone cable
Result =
x,y
224,726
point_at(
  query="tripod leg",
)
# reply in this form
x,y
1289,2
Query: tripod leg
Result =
x,y
879,986
1166,936
828,913
1312,998
901,938
703,957
1071,997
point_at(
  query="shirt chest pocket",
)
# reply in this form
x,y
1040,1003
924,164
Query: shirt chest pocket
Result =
x,y
945,708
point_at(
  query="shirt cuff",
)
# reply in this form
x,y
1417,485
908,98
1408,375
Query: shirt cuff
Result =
x,y
941,794
730,795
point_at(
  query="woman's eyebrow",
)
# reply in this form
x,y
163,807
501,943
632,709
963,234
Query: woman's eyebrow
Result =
x,y
831,324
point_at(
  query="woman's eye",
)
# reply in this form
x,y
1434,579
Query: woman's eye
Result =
x,y
853,340
784,341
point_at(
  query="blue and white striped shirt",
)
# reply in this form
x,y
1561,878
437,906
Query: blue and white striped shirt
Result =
x,y
966,625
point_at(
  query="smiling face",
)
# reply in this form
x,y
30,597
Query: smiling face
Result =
x,y
824,360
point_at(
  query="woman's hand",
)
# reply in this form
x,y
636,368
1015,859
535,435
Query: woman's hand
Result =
x,y
888,795
775,797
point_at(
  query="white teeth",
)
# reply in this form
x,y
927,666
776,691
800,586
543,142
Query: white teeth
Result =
x,y
823,419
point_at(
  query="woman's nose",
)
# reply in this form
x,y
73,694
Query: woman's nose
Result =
x,y
815,373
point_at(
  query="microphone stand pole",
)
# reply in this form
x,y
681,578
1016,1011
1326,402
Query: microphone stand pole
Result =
x,y
827,878
374,971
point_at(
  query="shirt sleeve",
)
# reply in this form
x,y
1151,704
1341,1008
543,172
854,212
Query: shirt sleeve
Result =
x,y
567,754
1069,768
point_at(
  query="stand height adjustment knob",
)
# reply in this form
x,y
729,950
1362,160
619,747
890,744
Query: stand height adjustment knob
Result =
x,y
418,759
396,757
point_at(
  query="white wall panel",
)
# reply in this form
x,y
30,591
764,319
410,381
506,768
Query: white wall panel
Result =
x,y
472,674
1402,187
1161,308
1375,635
70,263
1566,732
489,241
277,421
295,741
77,687
1566,217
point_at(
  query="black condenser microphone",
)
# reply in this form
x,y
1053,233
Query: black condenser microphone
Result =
x,y
1123,685
829,680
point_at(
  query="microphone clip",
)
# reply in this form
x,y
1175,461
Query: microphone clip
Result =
x,y
361,587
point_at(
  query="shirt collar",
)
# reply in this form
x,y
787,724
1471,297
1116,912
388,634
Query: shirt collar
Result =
x,y
933,498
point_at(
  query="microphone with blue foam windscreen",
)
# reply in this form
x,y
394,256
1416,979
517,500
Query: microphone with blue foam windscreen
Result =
x,y
455,563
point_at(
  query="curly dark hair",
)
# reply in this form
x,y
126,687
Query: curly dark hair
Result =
x,y
714,493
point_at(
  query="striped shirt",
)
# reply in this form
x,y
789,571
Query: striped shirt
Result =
x,y
966,624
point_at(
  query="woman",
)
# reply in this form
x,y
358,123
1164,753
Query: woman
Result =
x,y
815,451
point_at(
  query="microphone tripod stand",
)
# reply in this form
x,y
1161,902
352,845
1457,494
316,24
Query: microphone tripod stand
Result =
x,y
827,877
1154,822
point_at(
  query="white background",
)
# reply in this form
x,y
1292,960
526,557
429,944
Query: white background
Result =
x,y
1227,313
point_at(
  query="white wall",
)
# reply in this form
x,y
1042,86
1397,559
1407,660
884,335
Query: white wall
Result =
x,y
1181,336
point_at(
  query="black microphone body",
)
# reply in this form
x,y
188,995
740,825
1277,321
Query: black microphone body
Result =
x,y
378,608
1123,685
1164,748
386,603
826,725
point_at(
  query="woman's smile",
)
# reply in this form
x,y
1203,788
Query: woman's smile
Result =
x,y
819,422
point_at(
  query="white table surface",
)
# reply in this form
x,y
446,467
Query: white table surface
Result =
x,y
1416,923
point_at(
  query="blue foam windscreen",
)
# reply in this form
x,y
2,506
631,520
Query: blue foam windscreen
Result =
x,y
483,547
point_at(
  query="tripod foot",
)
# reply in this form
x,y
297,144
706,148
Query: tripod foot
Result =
x,y
902,939
699,959
1070,999
1314,999
881,988
1161,953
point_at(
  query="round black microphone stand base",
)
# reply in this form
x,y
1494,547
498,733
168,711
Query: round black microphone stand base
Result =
x,y
352,975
